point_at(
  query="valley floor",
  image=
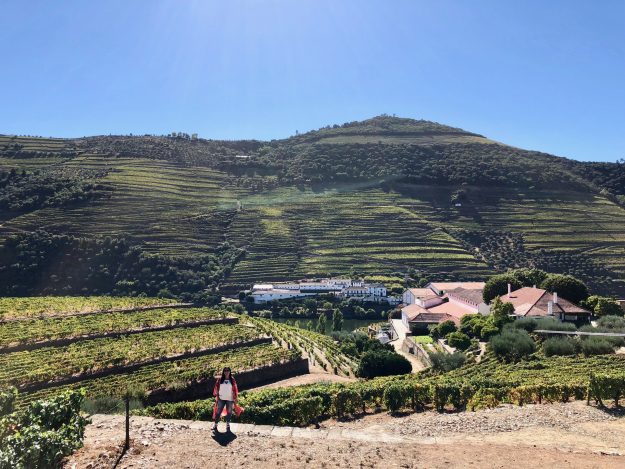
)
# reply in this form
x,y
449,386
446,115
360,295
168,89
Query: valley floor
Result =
x,y
552,435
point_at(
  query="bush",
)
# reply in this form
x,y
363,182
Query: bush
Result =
x,y
458,340
43,433
488,331
552,324
382,363
527,324
347,402
603,306
560,346
442,329
596,346
395,396
446,362
616,323
512,345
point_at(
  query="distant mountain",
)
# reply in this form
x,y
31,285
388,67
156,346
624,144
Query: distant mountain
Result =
x,y
380,196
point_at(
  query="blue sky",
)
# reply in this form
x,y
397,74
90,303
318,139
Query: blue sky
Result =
x,y
542,75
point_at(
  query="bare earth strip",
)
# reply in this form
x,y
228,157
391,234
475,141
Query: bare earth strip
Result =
x,y
557,435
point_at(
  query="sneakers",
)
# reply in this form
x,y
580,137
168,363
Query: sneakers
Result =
x,y
214,429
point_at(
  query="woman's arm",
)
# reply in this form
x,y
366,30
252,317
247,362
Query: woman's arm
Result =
x,y
235,389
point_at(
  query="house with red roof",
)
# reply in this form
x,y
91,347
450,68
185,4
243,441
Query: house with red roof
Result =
x,y
441,301
536,302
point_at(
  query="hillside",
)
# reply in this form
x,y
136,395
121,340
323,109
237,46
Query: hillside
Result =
x,y
383,195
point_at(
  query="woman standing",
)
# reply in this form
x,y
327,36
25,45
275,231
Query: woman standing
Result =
x,y
226,393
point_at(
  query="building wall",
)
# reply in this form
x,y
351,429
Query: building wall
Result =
x,y
408,298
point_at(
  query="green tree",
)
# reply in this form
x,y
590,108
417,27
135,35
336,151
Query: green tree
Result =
x,y
566,286
321,323
337,320
442,329
602,306
497,285
311,305
529,276
512,345
458,340
500,312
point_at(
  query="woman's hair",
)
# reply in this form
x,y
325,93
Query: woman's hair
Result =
x,y
223,374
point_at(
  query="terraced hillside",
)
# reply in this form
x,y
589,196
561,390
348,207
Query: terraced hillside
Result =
x,y
374,197
153,348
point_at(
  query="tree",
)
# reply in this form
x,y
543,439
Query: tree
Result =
x,y
382,363
311,305
321,323
458,340
337,320
602,306
500,312
529,276
442,329
512,345
566,286
497,285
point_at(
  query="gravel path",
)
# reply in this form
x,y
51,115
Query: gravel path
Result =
x,y
556,435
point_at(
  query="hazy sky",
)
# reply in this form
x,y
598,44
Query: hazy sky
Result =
x,y
544,75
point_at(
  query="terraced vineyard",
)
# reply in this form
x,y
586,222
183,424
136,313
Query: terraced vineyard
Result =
x,y
38,307
178,374
38,331
151,348
320,348
381,196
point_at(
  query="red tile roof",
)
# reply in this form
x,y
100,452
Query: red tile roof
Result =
x,y
445,286
530,301
423,293
452,309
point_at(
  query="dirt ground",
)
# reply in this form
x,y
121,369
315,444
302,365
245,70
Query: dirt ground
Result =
x,y
316,375
555,435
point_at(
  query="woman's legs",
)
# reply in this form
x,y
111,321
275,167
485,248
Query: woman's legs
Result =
x,y
220,408
228,411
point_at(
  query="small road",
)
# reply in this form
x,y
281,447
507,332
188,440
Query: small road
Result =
x,y
401,332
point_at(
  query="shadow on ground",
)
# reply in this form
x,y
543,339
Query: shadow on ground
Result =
x,y
224,439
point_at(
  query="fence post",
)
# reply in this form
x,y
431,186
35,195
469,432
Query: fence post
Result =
x,y
127,443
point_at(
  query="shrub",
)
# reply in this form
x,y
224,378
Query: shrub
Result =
x,y
596,346
442,329
458,340
382,363
488,331
603,306
43,433
395,397
553,324
512,345
560,346
347,402
616,323
446,362
527,324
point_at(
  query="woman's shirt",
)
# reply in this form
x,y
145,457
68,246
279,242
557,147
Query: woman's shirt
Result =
x,y
225,390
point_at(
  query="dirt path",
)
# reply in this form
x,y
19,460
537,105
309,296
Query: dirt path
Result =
x,y
316,375
559,435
